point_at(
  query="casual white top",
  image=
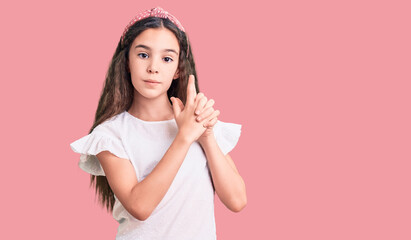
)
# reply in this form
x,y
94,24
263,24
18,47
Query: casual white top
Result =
x,y
187,209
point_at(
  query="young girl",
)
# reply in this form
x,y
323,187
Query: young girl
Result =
x,y
156,151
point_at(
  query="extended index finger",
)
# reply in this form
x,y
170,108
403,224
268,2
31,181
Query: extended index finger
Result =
x,y
191,90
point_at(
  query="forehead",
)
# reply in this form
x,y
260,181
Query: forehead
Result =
x,y
157,39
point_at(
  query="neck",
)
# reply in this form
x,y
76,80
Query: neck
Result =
x,y
151,109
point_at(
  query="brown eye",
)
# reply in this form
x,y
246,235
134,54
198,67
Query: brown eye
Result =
x,y
170,59
142,54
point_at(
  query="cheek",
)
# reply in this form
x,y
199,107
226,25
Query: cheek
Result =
x,y
173,68
136,68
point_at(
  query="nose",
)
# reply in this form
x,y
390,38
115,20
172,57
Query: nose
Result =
x,y
152,67
151,70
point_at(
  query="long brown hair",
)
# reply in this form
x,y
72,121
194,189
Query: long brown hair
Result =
x,y
118,91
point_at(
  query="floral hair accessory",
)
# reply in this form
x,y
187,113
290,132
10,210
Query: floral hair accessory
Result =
x,y
154,12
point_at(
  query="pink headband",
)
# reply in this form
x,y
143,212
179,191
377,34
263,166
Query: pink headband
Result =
x,y
154,12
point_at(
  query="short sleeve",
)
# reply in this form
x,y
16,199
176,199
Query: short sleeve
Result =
x,y
89,146
227,135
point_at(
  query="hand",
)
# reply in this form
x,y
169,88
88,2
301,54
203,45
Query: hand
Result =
x,y
204,110
186,121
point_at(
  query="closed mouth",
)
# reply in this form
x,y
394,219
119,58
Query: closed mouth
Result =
x,y
151,81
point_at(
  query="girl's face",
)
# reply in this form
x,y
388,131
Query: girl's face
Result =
x,y
154,56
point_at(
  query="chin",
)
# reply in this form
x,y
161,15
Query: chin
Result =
x,y
149,94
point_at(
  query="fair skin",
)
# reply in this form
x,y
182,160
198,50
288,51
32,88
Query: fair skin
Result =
x,y
149,59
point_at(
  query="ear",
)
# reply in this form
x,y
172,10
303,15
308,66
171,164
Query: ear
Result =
x,y
176,75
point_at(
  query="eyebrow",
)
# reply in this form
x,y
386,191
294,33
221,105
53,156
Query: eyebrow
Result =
x,y
165,50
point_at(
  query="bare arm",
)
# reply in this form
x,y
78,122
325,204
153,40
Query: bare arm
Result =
x,y
141,198
229,185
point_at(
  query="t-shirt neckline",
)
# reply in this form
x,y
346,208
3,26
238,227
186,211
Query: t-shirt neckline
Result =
x,y
148,122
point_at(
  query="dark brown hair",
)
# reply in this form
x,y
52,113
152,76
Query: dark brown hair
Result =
x,y
118,91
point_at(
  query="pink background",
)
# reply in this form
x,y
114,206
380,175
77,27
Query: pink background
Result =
x,y
322,89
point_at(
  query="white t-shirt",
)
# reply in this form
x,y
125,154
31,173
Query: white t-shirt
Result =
x,y
187,209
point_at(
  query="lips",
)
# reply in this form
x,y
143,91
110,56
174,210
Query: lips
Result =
x,y
151,81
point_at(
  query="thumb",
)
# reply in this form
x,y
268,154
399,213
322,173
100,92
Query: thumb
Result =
x,y
176,106
180,103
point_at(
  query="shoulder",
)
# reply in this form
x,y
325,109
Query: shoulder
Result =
x,y
227,135
112,126
222,126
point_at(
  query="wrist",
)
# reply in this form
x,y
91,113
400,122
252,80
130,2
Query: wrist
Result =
x,y
183,139
206,138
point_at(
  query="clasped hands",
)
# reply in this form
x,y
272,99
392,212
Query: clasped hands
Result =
x,y
199,109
